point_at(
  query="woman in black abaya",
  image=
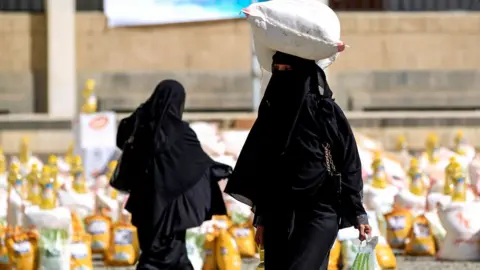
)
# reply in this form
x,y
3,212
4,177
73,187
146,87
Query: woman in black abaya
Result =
x,y
179,189
300,169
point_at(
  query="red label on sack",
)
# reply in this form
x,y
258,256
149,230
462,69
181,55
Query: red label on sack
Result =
x,y
98,122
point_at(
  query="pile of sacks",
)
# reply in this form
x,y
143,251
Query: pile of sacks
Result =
x,y
53,219
427,211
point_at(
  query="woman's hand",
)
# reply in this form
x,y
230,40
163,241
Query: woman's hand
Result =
x,y
364,230
259,236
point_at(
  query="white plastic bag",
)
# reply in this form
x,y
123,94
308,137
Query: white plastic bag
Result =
x,y
462,223
366,257
307,29
194,242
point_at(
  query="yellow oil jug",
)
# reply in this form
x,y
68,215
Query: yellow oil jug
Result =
x,y
261,266
431,148
16,181
450,172
379,179
459,193
69,155
110,191
3,162
89,97
48,194
401,144
24,153
458,142
417,184
33,181
53,166
79,184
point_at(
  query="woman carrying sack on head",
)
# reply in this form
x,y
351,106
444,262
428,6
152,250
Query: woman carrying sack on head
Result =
x,y
300,169
176,189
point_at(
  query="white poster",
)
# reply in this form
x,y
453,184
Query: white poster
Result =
x,y
150,12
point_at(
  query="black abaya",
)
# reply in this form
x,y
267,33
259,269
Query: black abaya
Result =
x,y
281,171
179,189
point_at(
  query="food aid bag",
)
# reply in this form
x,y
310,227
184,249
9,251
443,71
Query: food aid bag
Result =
x,y
81,253
244,235
379,199
407,200
399,224
438,230
124,247
194,241
366,258
226,252
54,249
210,260
384,254
307,29
55,230
334,257
462,223
421,240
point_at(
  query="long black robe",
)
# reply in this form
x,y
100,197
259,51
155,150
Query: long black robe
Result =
x,y
281,170
179,189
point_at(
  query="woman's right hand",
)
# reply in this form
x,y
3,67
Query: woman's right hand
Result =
x,y
259,236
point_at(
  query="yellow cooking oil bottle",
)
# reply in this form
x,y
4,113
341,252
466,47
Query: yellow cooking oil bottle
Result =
x,y
432,148
33,182
24,152
48,192
450,171
402,144
16,181
78,178
69,155
3,162
417,184
459,193
459,143
109,190
379,179
89,97
53,166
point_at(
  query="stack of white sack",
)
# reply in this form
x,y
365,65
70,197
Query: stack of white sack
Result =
x,y
474,174
234,140
462,223
55,229
377,199
209,137
83,204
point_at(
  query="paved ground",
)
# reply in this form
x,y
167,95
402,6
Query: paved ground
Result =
x,y
404,263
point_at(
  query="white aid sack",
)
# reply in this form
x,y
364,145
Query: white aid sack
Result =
x,y
407,200
207,134
82,204
15,209
55,227
234,140
462,223
104,201
307,29
379,199
474,174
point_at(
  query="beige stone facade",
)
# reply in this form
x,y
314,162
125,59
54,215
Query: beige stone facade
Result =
x,y
394,58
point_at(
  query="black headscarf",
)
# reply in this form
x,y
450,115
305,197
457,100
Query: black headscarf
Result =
x,y
257,176
178,159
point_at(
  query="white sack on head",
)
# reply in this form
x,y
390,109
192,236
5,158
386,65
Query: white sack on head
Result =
x,y
307,29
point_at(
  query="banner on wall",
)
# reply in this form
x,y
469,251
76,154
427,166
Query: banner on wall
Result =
x,y
152,12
